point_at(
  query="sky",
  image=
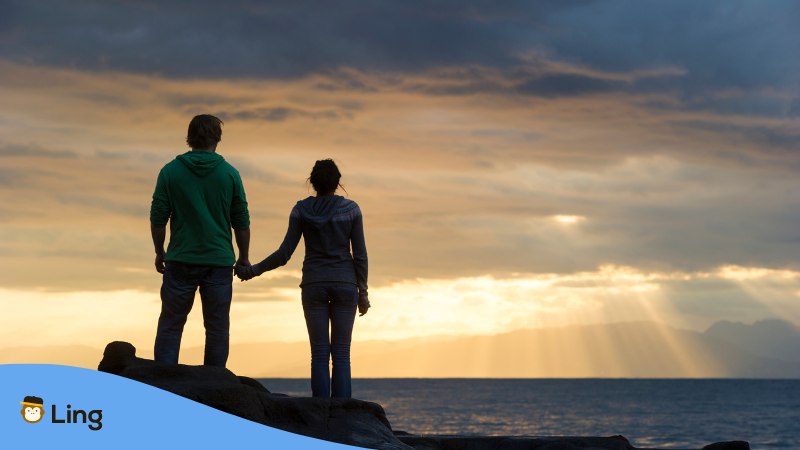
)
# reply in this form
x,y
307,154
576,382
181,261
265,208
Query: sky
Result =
x,y
519,164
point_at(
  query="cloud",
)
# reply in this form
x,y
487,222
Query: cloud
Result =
x,y
451,186
8,150
720,44
281,113
247,38
567,85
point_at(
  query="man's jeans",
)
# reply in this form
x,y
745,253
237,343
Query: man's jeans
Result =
x,y
177,296
333,303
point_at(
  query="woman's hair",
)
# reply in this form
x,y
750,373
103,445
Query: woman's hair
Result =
x,y
325,177
205,131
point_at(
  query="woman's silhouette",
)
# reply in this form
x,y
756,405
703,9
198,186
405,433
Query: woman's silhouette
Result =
x,y
334,280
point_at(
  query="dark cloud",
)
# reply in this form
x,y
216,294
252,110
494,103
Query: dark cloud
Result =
x,y
35,151
344,80
506,134
246,38
743,103
719,43
779,143
567,85
282,113
794,108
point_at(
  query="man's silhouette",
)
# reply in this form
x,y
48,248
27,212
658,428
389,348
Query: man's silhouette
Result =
x,y
202,198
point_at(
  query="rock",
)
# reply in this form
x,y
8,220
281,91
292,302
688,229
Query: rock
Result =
x,y
346,421
729,445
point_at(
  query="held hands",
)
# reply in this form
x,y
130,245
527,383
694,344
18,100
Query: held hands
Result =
x,y
245,271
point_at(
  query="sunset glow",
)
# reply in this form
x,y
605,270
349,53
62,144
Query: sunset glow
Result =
x,y
568,220
510,180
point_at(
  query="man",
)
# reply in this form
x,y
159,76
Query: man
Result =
x,y
202,198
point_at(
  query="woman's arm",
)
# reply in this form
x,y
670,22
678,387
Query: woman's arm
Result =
x,y
280,256
359,249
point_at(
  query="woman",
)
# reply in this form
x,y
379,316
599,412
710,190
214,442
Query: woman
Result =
x,y
334,281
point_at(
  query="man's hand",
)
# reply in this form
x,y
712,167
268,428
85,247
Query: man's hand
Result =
x,y
245,262
159,234
243,269
160,262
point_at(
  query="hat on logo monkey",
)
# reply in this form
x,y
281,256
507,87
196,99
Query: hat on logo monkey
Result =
x,y
31,400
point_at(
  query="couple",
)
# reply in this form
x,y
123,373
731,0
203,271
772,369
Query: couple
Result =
x,y
202,198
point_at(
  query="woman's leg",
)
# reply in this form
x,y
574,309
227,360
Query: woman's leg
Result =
x,y
316,310
344,298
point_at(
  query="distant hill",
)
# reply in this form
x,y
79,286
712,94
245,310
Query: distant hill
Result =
x,y
766,349
618,350
772,338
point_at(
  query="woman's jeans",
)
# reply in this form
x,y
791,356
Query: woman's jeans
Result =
x,y
333,303
177,296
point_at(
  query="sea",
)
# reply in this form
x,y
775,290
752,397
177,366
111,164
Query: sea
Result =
x,y
651,413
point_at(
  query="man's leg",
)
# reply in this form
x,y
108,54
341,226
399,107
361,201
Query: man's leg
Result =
x,y
344,298
316,311
177,296
216,290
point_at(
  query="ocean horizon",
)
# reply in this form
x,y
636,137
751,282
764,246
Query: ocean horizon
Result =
x,y
672,413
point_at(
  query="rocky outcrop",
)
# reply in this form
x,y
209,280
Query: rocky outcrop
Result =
x,y
347,421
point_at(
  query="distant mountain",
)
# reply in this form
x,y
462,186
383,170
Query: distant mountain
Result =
x,y
635,350
766,349
773,338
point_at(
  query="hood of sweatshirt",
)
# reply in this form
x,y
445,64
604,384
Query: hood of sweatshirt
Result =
x,y
200,162
319,210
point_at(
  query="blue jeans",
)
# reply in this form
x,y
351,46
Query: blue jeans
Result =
x,y
333,303
177,296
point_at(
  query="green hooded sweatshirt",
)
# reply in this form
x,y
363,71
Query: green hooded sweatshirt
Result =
x,y
202,197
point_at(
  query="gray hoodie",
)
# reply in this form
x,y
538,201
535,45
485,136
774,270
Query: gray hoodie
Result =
x,y
330,226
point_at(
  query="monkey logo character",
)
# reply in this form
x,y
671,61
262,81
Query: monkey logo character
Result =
x,y
32,409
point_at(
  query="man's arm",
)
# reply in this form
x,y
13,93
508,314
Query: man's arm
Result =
x,y
160,212
240,221
159,234
243,242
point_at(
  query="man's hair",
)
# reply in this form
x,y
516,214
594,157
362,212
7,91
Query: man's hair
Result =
x,y
205,131
325,176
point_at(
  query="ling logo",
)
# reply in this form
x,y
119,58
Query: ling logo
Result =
x,y
32,409
33,412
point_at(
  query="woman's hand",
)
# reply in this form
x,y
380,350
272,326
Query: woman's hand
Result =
x,y
363,303
244,272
